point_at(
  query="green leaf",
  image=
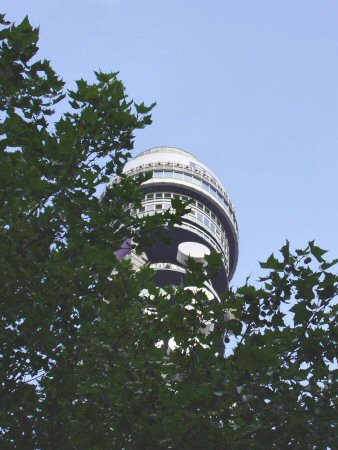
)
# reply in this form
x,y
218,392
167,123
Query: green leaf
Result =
x,y
317,252
327,265
253,358
142,109
3,21
285,251
272,263
233,325
301,313
214,260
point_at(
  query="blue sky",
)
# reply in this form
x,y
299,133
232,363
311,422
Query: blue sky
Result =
x,y
250,87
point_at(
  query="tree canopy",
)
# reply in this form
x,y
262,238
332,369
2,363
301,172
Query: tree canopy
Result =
x,y
84,357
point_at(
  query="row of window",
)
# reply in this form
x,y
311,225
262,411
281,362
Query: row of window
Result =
x,y
168,195
151,208
195,180
192,166
208,238
202,219
194,215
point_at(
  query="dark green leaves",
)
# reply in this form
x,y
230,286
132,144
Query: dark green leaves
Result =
x,y
316,251
271,263
93,353
329,264
301,313
285,251
254,358
62,303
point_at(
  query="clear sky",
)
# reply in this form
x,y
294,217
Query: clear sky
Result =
x,y
249,86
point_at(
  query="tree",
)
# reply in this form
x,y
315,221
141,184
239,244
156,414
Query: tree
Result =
x,y
84,360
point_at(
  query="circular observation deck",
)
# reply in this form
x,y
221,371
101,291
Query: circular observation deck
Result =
x,y
178,173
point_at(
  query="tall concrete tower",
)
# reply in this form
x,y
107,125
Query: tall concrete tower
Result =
x,y
210,226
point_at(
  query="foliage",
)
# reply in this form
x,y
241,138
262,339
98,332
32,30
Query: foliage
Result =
x,y
84,338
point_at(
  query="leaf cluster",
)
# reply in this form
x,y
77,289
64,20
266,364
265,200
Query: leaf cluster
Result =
x,y
93,354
